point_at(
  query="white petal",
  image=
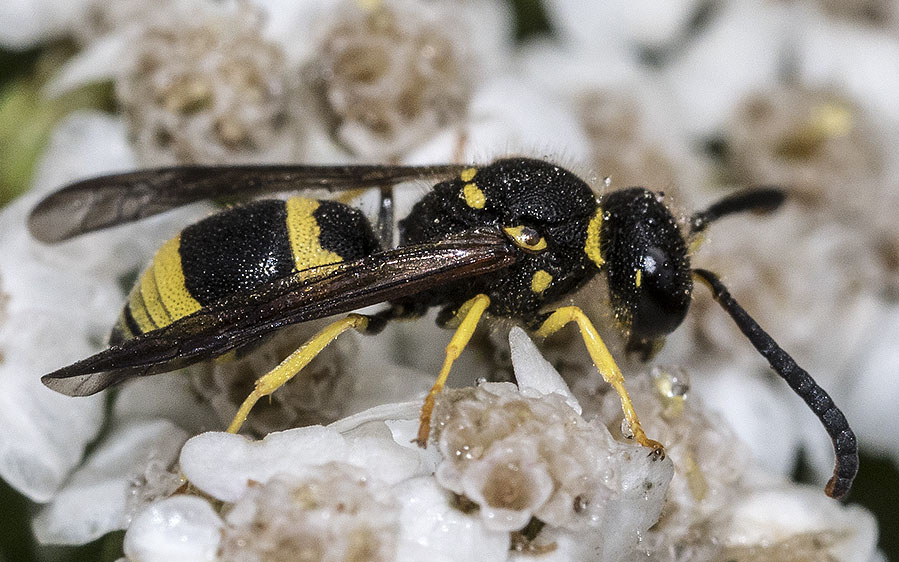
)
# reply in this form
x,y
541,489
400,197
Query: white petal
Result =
x,y
770,516
25,23
62,301
84,144
181,528
99,61
532,371
400,410
871,407
763,415
169,396
574,69
739,55
44,433
434,530
509,116
222,464
619,21
858,59
293,25
373,447
97,498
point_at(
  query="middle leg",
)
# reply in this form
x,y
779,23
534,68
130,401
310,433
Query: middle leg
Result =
x,y
470,312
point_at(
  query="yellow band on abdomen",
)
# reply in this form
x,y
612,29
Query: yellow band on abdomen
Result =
x,y
169,274
304,233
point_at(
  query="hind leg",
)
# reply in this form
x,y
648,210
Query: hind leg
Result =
x,y
297,360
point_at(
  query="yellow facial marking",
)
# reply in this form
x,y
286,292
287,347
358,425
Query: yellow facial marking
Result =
x,y
639,279
473,196
540,281
525,237
304,233
169,275
468,174
592,247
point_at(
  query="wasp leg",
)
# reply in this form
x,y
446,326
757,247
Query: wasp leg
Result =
x,y
470,312
603,361
297,360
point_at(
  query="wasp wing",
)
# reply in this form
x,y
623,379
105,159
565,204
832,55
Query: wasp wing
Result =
x,y
240,319
106,201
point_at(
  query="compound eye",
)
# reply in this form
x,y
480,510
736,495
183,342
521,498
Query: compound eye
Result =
x,y
663,294
526,238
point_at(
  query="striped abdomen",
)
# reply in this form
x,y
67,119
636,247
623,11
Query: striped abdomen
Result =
x,y
236,251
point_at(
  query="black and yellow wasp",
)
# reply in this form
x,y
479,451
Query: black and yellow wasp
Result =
x,y
507,239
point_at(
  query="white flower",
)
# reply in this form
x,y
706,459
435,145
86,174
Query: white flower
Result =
x,y
180,528
850,57
53,319
263,482
390,77
796,522
26,23
626,91
335,512
206,87
105,492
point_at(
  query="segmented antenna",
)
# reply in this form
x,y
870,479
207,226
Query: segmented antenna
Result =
x,y
844,443
757,199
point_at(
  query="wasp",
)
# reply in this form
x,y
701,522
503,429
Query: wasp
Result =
x,y
511,239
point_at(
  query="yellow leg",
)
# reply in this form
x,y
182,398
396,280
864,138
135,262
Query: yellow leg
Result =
x,y
294,363
603,361
471,312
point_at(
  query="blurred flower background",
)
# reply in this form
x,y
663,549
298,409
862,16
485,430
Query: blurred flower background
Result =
x,y
691,97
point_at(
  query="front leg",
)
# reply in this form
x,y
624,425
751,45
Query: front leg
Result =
x,y
604,362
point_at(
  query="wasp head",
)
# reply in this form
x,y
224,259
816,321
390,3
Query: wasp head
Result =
x,y
645,258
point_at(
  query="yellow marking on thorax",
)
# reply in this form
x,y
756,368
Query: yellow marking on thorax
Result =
x,y
304,233
594,235
540,281
638,280
176,299
149,292
468,174
522,240
473,196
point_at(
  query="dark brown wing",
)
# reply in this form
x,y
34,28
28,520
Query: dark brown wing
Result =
x,y
240,319
106,201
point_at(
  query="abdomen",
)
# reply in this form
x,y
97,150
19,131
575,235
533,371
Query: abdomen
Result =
x,y
238,250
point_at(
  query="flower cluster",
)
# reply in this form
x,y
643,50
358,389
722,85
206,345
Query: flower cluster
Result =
x,y
522,455
691,98
207,90
334,513
389,78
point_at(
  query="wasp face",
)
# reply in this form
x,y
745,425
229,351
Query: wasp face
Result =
x,y
647,266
